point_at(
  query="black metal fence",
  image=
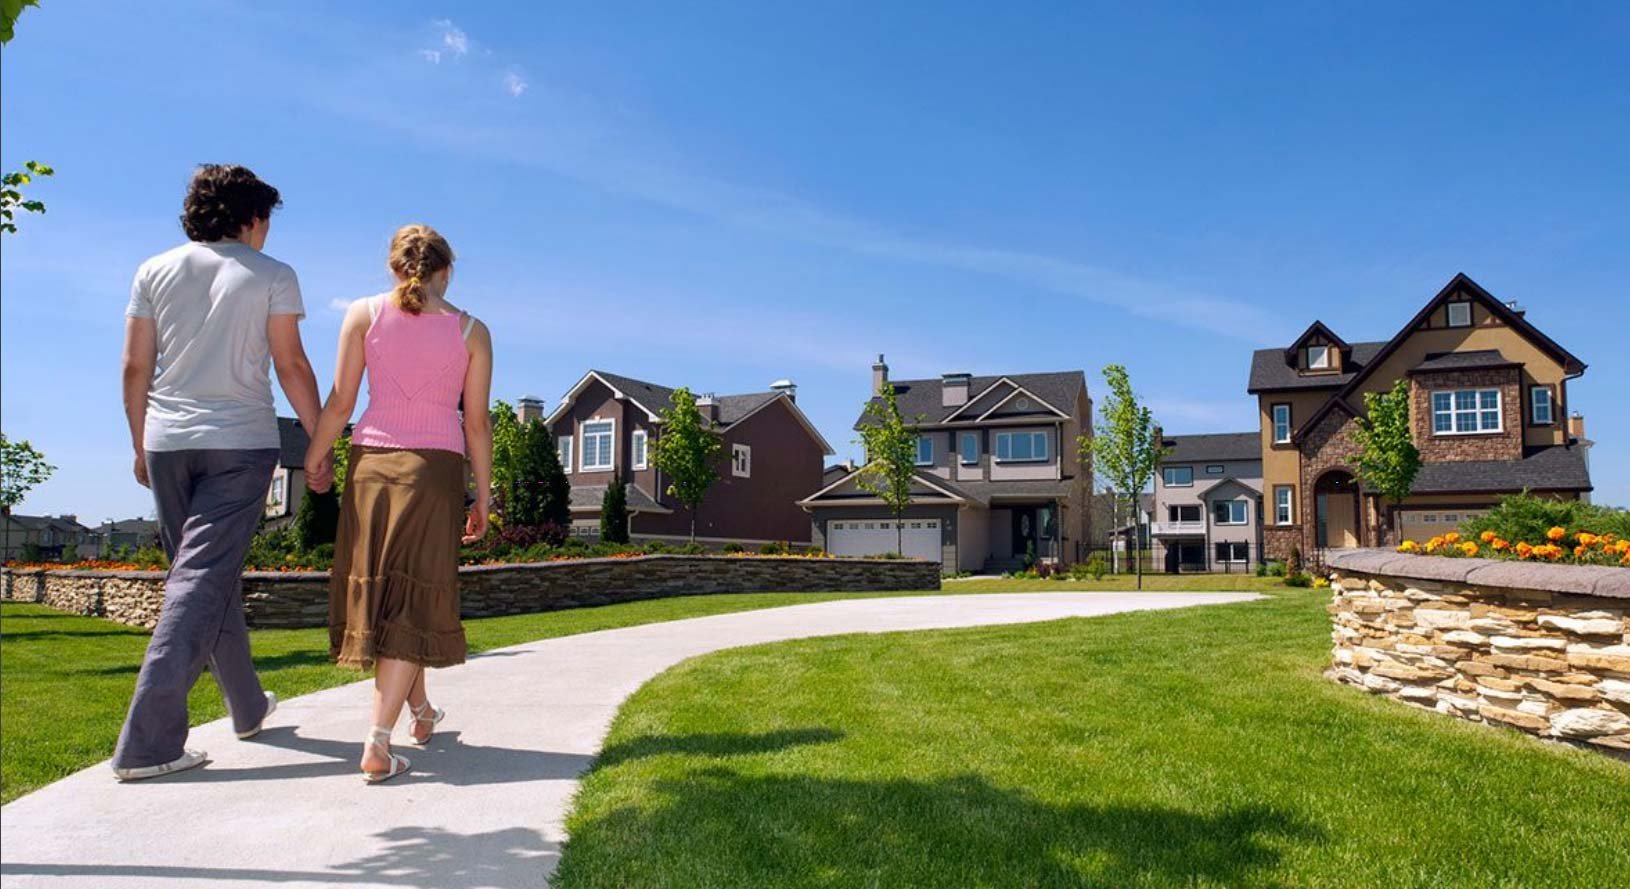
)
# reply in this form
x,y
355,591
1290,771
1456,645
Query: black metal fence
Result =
x,y
1197,557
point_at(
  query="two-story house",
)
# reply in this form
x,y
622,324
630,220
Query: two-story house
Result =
x,y
999,479
771,457
1488,399
1208,502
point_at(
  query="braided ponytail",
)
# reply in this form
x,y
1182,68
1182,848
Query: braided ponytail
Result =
x,y
417,252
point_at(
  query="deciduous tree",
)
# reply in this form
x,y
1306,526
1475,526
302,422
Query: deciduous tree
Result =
x,y
1388,460
891,458
1125,448
686,451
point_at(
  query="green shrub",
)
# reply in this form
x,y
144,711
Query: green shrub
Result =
x,y
773,549
691,548
733,547
1097,567
70,553
657,547
1526,518
1271,568
1299,579
1293,564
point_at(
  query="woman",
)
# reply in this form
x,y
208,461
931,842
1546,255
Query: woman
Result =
x,y
393,599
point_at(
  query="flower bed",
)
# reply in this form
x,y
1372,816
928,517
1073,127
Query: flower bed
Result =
x,y
1529,528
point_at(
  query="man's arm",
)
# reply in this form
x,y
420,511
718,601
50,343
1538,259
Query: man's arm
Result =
x,y
140,358
294,371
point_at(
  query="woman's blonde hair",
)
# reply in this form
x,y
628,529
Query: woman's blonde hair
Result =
x,y
417,252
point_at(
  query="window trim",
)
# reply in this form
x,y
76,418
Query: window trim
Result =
x,y
1244,512
1284,513
565,443
1174,512
1231,559
1475,411
639,449
1215,469
1533,406
1324,355
1273,422
921,440
962,451
739,450
1034,434
1449,313
1170,484
583,441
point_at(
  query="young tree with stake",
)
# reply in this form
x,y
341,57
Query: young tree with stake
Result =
x,y
1388,460
1125,448
891,458
686,451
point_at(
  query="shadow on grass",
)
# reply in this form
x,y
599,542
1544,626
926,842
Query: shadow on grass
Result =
x,y
714,744
718,828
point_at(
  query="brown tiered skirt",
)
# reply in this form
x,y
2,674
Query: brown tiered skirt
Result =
x,y
394,588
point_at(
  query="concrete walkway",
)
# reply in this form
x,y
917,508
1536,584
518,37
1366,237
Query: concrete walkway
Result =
x,y
483,806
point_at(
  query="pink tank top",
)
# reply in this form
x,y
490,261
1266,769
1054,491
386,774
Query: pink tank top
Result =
x,y
416,366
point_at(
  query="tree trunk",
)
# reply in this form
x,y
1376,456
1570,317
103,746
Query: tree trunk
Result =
x,y
693,524
899,535
1137,533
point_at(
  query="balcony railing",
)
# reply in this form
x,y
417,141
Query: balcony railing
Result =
x,y
1169,529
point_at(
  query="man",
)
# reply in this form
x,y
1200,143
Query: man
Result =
x,y
205,322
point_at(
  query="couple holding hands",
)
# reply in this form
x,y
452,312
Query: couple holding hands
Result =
x,y
207,323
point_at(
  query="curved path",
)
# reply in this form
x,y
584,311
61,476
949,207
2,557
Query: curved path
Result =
x,y
484,805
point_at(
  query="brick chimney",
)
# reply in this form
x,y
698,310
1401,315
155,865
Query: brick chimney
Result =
x,y
785,387
880,375
1576,426
529,408
954,389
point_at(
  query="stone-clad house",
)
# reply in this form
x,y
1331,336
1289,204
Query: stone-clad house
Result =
x,y
999,477
772,457
1208,502
1489,400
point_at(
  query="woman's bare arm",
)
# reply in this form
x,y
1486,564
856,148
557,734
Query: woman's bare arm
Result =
x,y
478,429
342,398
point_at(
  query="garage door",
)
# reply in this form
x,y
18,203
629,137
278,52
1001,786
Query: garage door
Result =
x,y
869,538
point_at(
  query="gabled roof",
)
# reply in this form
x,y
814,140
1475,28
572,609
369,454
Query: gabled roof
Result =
x,y
924,398
1459,284
1317,328
1214,446
1270,372
590,497
653,399
940,491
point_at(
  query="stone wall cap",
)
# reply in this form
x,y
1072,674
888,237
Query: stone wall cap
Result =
x,y
1589,580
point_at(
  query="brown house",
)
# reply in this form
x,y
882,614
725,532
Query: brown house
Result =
x,y
1489,399
772,456
999,478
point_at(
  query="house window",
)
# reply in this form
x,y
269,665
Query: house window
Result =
x,y
275,497
741,461
1214,469
563,448
925,450
1177,476
638,446
1229,512
1284,511
1021,447
1460,314
970,448
1281,424
1184,513
1540,398
597,444
1430,518
1318,357
1236,551
1465,411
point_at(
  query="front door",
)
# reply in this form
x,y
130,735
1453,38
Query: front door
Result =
x,y
1024,532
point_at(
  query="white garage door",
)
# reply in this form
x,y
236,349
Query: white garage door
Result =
x,y
869,538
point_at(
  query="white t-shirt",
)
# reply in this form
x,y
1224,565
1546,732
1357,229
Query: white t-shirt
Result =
x,y
212,389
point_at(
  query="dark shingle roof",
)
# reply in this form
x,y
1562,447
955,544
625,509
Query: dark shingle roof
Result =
x,y
1216,446
656,398
988,492
1269,370
589,497
1473,360
1555,468
922,398
292,443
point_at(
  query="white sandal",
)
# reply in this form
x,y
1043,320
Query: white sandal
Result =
x,y
427,713
381,738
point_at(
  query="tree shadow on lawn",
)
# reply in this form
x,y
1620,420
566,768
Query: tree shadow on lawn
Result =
x,y
797,831
720,744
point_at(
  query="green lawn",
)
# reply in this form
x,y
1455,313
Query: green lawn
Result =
x,y
65,681
1193,748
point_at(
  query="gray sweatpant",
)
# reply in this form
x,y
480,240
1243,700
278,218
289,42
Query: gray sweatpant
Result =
x,y
209,504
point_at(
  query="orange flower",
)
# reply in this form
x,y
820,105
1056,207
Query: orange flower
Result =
x,y
1486,536
1452,537
1524,549
1556,533
1500,544
1580,550
1469,548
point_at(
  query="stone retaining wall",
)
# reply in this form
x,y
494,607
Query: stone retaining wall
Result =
x,y
289,600
1543,648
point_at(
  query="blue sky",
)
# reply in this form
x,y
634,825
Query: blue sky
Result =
x,y
721,197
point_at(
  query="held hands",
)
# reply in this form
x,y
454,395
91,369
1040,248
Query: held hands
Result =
x,y
475,525
319,470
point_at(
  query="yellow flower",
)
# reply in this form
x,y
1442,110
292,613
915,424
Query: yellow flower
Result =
x,y
1556,533
1585,538
1452,537
1469,548
1409,546
1501,544
1524,549
1486,537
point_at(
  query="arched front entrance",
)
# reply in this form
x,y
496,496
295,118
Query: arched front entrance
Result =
x,y
1336,510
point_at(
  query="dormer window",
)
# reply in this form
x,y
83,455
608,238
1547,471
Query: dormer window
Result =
x,y
1460,314
1318,357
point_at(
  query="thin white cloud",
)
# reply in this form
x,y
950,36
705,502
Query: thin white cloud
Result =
x,y
339,305
453,38
514,84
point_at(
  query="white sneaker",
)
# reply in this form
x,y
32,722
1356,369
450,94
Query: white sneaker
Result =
x,y
189,760
271,707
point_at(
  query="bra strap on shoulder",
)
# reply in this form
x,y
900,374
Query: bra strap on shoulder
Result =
x,y
374,305
469,324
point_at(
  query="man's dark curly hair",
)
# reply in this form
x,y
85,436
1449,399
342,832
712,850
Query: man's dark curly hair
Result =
x,y
222,199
